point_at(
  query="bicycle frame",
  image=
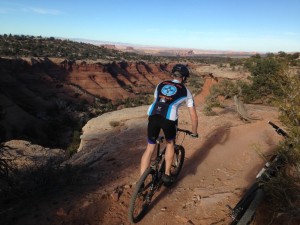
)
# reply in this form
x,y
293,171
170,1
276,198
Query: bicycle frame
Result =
x,y
151,180
160,154
269,170
157,166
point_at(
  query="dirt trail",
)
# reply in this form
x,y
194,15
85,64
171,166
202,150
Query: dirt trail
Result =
x,y
217,169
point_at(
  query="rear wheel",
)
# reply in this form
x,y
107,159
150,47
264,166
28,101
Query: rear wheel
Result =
x,y
249,214
178,160
141,196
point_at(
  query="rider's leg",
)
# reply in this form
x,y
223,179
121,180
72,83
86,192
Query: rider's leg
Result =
x,y
153,130
169,156
146,158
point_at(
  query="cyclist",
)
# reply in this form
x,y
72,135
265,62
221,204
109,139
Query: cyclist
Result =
x,y
163,114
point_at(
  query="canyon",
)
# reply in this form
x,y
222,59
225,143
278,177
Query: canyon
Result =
x,y
219,166
40,95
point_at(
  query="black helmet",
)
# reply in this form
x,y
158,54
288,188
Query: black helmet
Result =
x,y
182,69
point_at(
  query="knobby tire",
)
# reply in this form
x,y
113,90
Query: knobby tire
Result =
x,y
136,213
249,214
241,207
178,160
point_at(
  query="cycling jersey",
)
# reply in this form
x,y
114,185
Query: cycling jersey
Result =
x,y
169,95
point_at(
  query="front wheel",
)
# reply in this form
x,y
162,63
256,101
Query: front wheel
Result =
x,y
177,160
141,196
248,216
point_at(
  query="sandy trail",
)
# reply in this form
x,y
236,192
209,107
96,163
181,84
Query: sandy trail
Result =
x,y
217,169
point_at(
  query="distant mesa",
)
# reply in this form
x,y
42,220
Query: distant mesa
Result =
x,y
185,53
130,48
109,46
162,51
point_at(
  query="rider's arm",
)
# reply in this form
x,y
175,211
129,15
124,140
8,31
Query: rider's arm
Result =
x,y
194,119
193,113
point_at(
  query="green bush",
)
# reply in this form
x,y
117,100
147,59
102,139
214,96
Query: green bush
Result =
x,y
284,189
114,123
195,84
227,89
267,77
265,83
30,180
271,82
74,145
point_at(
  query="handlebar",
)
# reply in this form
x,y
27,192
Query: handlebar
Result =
x,y
184,131
278,129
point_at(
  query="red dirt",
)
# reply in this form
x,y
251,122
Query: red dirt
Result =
x,y
218,167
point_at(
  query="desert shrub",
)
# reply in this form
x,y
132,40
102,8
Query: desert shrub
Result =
x,y
109,107
81,105
33,180
208,110
114,123
284,190
20,186
138,100
265,83
5,170
272,82
74,145
247,93
283,193
195,84
227,89
266,78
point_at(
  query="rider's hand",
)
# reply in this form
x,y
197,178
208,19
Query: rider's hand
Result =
x,y
194,135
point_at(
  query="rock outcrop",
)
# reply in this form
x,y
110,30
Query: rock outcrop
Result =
x,y
38,96
23,154
106,129
116,80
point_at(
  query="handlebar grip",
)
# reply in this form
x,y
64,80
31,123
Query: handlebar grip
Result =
x,y
184,131
278,129
273,125
193,135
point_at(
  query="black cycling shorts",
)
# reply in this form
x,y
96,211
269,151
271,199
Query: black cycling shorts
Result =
x,y
156,123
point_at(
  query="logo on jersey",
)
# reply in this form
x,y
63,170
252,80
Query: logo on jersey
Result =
x,y
169,90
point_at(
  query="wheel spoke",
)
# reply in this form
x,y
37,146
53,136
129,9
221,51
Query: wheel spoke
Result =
x,y
142,196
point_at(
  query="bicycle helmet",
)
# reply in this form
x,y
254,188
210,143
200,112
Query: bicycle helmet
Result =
x,y
182,70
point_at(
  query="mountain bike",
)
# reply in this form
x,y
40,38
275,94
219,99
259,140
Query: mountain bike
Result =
x,y
151,180
244,211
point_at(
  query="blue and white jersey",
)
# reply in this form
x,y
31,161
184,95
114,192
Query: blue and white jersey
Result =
x,y
169,95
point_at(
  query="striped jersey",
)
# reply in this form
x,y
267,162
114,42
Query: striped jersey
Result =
x,y
169,96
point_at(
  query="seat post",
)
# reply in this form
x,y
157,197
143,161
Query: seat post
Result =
x,y
157,149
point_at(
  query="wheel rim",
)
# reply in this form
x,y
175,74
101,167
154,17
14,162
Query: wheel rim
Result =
x,y
143,198
175,167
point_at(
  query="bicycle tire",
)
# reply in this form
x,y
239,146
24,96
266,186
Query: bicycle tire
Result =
x,y
240,208
178,160
136,212
249,214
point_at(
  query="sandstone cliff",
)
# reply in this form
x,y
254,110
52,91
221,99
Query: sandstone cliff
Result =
x,y
42,99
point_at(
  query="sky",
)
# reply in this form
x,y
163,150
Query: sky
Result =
x,y
228,25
